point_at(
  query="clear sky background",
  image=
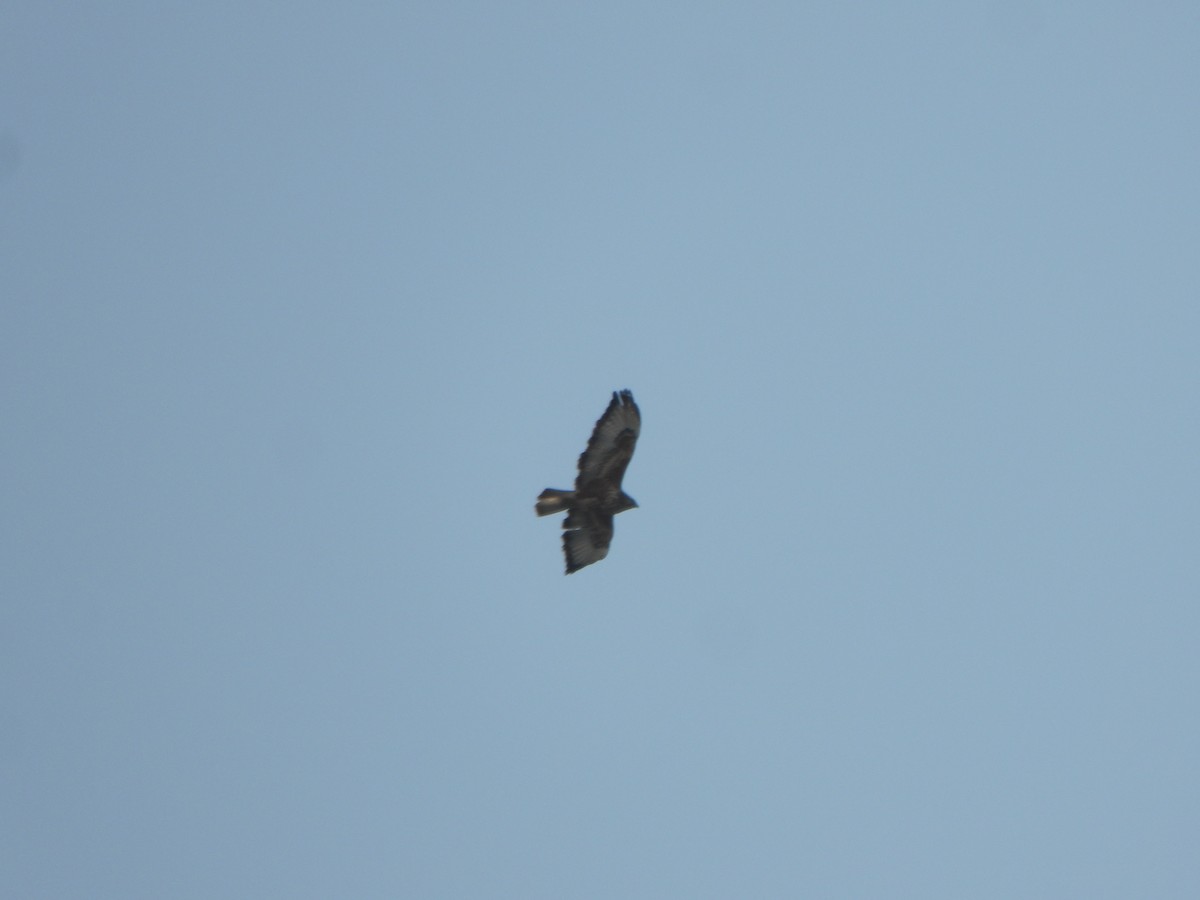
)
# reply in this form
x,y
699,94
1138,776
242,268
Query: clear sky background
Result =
x,y
300,307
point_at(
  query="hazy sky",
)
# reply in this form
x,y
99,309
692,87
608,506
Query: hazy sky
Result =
x,y
302,304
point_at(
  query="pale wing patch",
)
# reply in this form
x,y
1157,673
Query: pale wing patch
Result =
x,y
612,439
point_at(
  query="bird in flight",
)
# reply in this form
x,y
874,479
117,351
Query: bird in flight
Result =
x,y
588,527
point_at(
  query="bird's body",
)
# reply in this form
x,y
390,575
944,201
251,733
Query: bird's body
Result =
x,y
588,527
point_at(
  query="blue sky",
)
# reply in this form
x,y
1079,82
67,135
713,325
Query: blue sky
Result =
x,y
300,308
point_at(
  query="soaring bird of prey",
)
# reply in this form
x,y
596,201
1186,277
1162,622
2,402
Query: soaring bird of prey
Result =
x,y
588,527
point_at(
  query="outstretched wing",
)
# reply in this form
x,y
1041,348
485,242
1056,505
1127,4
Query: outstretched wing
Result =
x,y
586,538
611,445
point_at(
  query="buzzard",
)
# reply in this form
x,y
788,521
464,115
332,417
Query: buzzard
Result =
x,y
588,527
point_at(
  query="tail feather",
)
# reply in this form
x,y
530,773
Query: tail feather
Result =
x,y
552,500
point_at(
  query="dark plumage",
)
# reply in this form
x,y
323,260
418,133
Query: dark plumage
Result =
x,y
588,527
